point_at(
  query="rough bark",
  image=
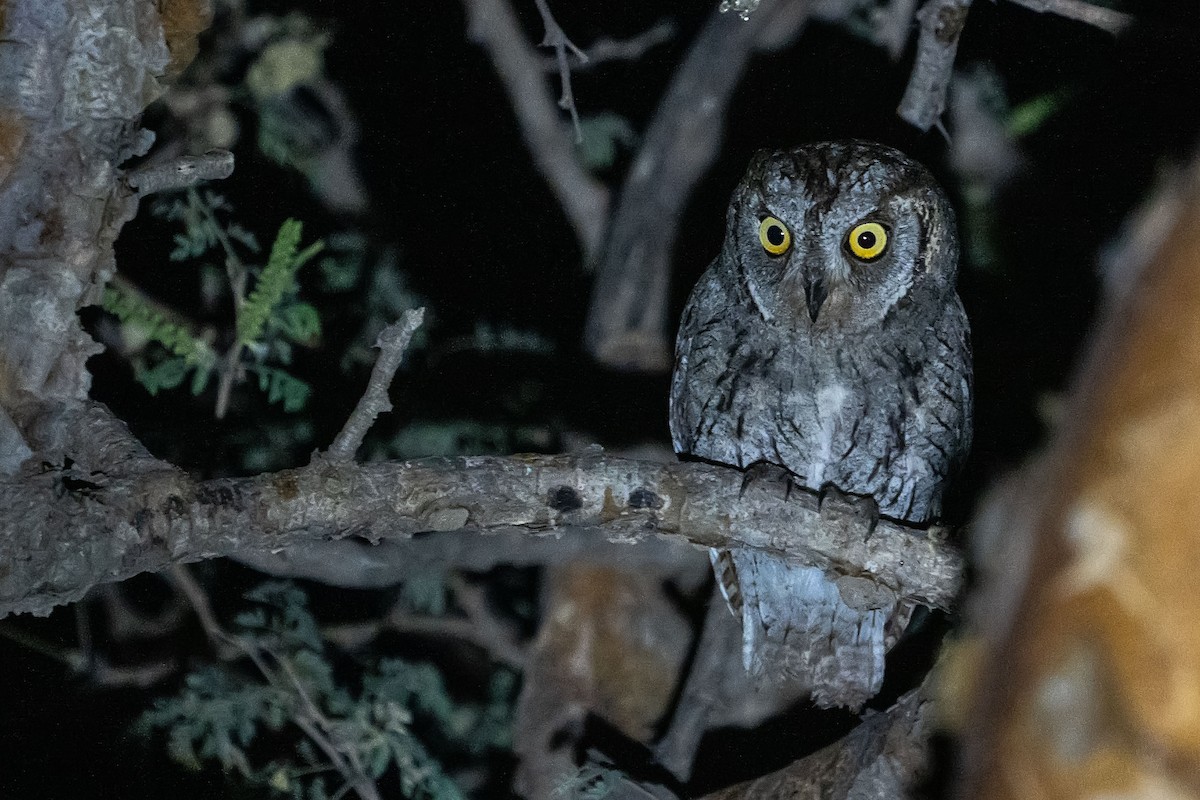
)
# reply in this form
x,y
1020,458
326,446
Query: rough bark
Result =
x,y
1088,608
69,528
878,760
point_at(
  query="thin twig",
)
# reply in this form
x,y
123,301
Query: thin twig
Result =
x,y
493,25
1107,19
392,342
90,666
126,622
226,644
309,719
555,37
345,758
607,49
181,173
236,272
492,633
354,635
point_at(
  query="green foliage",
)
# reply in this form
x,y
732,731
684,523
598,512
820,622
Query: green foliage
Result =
x,y
216,716
282,387
188,352
202,230
276,280
1029,116
222,713
136,312
604,135
591,782
266,322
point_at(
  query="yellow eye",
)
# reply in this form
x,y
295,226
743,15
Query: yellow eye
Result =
x,y
867,241
774,235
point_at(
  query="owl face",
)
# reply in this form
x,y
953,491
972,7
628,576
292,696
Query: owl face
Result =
x,y
835,235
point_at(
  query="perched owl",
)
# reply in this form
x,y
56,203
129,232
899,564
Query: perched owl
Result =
x,y
827,338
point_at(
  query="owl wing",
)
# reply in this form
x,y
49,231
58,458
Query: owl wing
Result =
x,y
938,426
700,331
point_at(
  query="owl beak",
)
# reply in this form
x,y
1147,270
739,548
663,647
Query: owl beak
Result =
x,y
815,292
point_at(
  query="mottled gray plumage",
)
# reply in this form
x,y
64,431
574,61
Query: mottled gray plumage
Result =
x,y
849,373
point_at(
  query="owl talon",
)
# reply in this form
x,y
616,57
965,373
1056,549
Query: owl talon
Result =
x,y
764,472
833,503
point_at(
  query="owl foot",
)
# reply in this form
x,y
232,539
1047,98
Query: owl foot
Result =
x,y
833,503
763,474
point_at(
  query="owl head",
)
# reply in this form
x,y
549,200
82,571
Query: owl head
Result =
x,y
837,235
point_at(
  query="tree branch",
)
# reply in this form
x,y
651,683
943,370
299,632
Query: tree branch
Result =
x,y
181,173
1108,19
492,24
924,99
879,759
627,320
557,38
66,533
607,49
392,342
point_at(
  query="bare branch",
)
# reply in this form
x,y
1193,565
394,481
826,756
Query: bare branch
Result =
x,y
354,564
627,320
606,50
1108,19
556,38
702,690
392,343
894,25
480,627
924,99
879,759
492,24
181,173
64,536
492,633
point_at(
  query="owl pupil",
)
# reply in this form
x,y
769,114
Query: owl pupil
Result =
x,y
775,235
866,240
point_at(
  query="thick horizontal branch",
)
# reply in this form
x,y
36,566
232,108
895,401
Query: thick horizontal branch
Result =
x,y
66,532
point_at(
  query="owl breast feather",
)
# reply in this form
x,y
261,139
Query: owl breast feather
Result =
x,y
872,415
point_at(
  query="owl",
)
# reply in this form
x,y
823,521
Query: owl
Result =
x,y
827,338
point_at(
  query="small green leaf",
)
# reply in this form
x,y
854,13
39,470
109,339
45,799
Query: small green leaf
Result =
x,y
166,374
378,759
200,380
1032,114
301,322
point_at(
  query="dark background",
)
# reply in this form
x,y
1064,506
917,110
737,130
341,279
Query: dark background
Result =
x,y
480,237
